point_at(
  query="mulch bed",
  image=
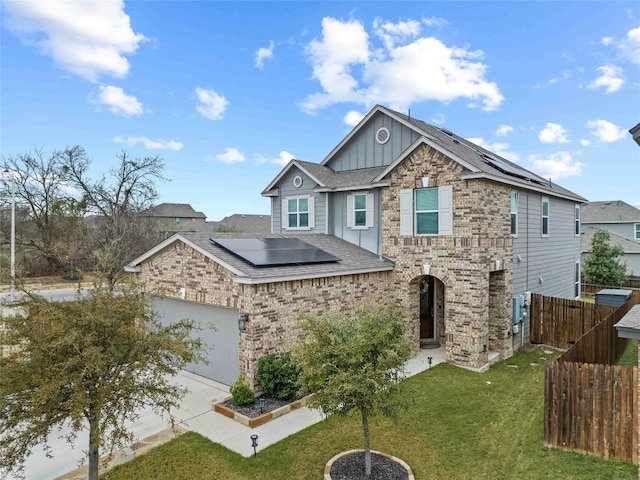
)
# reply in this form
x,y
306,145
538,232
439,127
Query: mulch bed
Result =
x,y
253,410
351,467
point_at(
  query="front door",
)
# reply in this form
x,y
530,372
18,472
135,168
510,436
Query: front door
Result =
x,y
427,308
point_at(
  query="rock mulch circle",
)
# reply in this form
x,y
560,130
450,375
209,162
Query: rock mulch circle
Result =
x,y
350,466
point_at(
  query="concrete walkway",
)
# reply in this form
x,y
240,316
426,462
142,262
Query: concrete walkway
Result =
x,y
195,414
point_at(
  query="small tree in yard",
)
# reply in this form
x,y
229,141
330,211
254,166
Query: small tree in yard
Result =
x,y
348,363
94,362
601,265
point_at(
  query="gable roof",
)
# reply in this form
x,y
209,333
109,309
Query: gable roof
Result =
x,y
174,210
244,223
627,245
610,211
478,161
353,259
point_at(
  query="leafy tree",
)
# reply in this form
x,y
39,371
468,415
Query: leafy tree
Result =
x,y
348,363
601,266
94,362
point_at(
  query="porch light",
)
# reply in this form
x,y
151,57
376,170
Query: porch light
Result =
x,y
242,321
254,443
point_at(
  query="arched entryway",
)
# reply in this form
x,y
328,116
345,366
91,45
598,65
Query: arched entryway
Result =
x,y
431,306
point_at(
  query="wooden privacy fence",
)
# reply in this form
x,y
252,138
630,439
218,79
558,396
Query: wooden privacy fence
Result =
x,y
591,405
560,322
592,408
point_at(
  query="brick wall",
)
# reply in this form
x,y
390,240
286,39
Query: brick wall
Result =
x,y
462,261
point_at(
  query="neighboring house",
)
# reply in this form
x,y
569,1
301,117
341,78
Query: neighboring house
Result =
x,y
635,133
244,223
399,211
176,216
622,221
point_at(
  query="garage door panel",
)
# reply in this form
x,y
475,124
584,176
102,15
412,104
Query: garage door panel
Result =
x,y
221,341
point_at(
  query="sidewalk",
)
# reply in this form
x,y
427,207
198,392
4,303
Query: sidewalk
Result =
x,y
195,414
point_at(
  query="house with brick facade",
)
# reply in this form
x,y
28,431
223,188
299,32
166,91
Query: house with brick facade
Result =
x,y
398,212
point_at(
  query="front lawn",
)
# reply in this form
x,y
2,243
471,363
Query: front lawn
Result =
x,y
462,425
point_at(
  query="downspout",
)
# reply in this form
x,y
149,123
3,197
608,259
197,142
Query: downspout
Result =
x,y
527,275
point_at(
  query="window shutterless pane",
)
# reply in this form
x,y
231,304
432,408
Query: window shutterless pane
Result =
x,y
545,208
514,202
304,220
426,199
513,224
360,202
293,205
361,219
303,204
545,225
427,223
293,220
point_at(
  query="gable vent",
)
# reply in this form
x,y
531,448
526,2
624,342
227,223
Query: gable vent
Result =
x,y
383,135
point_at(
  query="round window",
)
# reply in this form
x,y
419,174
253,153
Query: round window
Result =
x,y
297,181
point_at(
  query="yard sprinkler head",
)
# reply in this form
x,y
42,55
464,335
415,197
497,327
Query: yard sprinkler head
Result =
x,y
430,361
254,443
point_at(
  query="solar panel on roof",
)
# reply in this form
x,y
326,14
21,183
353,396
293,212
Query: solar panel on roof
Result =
x,y
269,252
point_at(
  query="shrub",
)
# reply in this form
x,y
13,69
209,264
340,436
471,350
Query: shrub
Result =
x,y
242,393
278,376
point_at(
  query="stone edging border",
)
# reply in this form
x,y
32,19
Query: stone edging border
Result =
x,y
327,468
261,419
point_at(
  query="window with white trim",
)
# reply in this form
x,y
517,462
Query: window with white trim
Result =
x,y
360,211
577,219
637,230
576,289
298,212
426,211
514,213
545,217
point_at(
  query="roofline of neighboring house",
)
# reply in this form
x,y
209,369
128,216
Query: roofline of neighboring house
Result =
x,y
635,132
524,184
134,266
288,278
589,222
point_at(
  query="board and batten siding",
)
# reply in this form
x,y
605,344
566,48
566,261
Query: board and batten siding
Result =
x,y
288,189
367,238
363,151
545,265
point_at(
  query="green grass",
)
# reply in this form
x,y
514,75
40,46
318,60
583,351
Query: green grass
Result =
x,y
630,356
461,425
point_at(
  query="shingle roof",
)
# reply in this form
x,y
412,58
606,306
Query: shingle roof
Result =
x,y
614,211
245,223
362,177
627,245
353,259
174,210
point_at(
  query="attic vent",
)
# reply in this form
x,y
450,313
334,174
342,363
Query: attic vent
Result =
x,y
383,135
297,181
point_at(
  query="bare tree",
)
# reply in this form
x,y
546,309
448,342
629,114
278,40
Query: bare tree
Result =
x,y
118,229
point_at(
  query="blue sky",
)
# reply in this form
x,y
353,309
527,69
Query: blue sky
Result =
x,y
228,93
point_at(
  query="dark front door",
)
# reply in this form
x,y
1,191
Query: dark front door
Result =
x,y
427,310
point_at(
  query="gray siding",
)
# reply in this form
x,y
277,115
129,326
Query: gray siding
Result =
x,y
630,260
363,151
551,258
369,239
624,230
287,189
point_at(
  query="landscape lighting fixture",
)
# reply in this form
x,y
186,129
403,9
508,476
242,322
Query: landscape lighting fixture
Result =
x,y
242,321
254,443
261,403
430,360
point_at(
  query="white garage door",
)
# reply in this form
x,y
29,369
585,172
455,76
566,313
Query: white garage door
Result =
x,y
222,342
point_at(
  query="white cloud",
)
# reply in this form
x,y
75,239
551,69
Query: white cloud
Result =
x,y
350,68
605,131
282,159
439,118
606,41
585,142
557,165
497,148
231,155
504,130
89,39
630,46
352,118
611,79
150,144
118,102
212,105
434,22
262,54
553,133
